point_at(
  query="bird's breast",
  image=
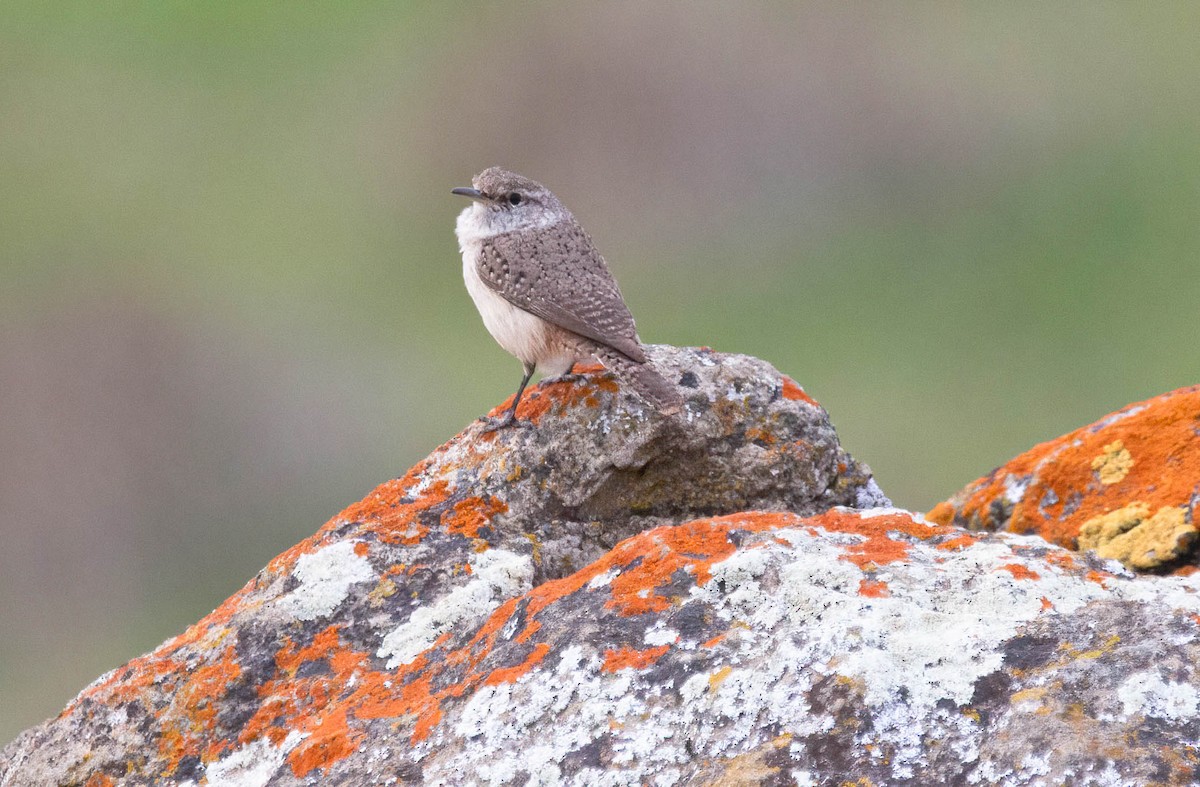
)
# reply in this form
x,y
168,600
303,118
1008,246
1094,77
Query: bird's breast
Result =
x,y
525,335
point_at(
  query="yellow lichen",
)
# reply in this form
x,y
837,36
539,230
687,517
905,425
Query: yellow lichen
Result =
x,y
1139,540
1114,464
537,548
751,767
1033,694
717,678
1101,530
1092,653
384,589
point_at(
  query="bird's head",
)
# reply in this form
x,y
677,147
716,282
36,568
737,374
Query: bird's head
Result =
x,y
504,201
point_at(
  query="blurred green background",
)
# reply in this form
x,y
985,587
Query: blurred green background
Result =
x,y
232,300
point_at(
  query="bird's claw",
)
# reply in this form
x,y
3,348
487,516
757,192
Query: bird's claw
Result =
x,y
491,424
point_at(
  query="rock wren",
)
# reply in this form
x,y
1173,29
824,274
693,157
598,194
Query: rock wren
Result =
x,y
544,292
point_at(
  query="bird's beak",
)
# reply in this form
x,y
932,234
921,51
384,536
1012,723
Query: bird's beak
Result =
x,y
474,194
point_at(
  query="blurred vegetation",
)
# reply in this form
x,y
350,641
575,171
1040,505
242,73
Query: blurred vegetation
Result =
x,y
232,301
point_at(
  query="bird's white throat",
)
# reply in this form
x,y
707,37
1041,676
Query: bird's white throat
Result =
x,y
478,222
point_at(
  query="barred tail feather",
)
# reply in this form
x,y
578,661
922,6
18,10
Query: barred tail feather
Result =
x,y
642,378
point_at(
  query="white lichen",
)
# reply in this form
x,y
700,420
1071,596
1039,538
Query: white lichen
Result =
x,y
602,579
253,764
1014,488
496,576
1148,694
325,579
659,634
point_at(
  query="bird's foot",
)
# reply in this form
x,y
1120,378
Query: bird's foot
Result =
x,y
491,424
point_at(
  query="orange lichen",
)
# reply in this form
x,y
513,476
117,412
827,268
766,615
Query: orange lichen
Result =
x,y
383,498
194,691
190,717
957,543
1019,571
1146,452
794,392
712,643
941,514
761,436
289,657
218,619
626,657
469,515
306,704
130,682
408,693
879,547
382,507
1046,604
209,682
1064,560
510,674
693,547
532,628
99,780
329,741
873,588
401,523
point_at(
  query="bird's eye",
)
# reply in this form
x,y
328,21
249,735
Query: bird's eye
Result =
x,y
514,199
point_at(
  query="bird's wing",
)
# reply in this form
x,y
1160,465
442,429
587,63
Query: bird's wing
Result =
x,y
558,275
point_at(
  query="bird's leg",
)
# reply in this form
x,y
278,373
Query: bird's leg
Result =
x,y
510,417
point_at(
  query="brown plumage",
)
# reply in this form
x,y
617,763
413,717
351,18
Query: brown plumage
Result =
x,y
557,274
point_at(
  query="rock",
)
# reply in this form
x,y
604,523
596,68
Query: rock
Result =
x,y
317,665
613,598
1127,487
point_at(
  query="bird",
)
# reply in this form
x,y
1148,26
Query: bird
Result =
x,y
544,292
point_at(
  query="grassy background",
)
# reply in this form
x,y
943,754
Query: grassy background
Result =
x,y
232,301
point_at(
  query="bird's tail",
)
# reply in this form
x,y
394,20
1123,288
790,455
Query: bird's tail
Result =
x,y
642,377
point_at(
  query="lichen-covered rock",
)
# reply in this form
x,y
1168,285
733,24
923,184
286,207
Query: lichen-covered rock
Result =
x,y
527,608
861,647
1127,487
758,648
342,661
